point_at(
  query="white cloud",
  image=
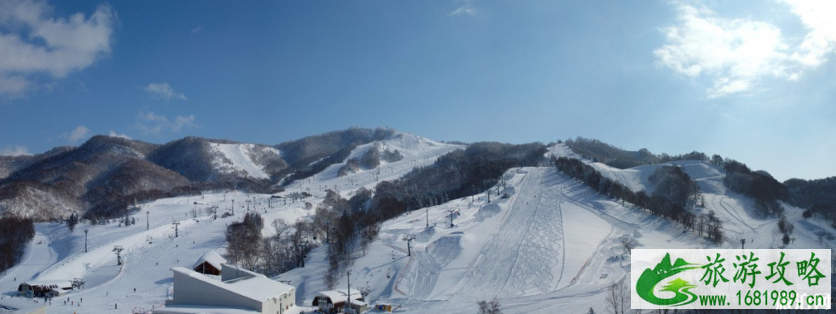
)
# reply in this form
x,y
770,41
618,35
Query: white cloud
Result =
x,y
465,7
182,122
197,29
151,123
114,134
12,85
33,42
163,91
14,151
77,134
820,41
734,53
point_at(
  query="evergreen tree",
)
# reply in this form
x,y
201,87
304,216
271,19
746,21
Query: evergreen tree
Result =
x,y
72,221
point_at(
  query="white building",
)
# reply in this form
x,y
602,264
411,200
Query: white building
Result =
x,y
238,289
333,301
45,288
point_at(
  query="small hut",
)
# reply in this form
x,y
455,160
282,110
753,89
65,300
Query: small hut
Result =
x,y
209,264
44,288
333,301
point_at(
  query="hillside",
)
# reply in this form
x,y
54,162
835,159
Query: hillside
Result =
x,y
534,238
106,175
65,179
58,254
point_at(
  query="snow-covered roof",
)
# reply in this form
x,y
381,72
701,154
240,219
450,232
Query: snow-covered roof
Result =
x,y
339,295
59,283
258,287
211,257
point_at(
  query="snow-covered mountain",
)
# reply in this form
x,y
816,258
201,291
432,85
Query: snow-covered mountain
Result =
x,y
219,161
539,241
99,175
106,175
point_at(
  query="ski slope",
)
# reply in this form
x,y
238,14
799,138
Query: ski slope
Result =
x,y
417,152
733,209
238,158
553,243
552,246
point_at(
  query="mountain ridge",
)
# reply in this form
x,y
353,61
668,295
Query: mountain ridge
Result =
x,y
106,174
103,176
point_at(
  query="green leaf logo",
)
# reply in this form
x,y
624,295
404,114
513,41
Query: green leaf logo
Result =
x,y
651,277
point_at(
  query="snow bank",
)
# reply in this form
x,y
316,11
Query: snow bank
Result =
x,y
487,211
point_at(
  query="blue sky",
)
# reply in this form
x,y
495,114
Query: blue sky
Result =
x,y
751,80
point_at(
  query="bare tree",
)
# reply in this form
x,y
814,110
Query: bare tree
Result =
x,y
489,307
628,243
617,298
280,226
699,224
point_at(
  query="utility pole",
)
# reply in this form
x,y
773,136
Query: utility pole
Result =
x,y
408,238
742,243
304,255
118,249
348,292
147,220
176,224
248,205
233,207
85,240
428,216
451,216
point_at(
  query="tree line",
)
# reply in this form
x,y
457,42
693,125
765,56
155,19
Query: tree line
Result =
x,y
673,190
599,151
612,156
271,255
349,226
345,224
15,232
457,174
759,185
817,196
369,160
